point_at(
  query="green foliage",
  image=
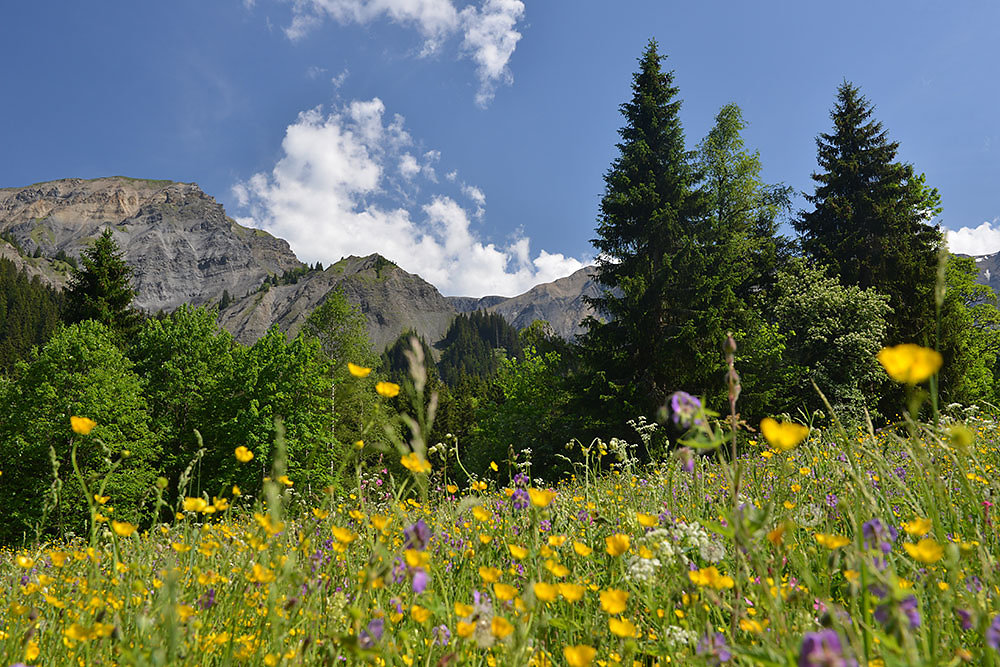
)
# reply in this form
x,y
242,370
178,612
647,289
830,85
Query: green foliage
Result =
x,y
870,219
102,289
473,344
29,314
527,412
78,372
833,332
184,359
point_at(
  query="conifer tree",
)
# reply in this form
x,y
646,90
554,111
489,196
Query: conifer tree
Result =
x,y
663,331
102,290
870,222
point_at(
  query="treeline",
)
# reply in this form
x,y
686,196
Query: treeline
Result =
x,y
29,313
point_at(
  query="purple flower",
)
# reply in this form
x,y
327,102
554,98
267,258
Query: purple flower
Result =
x,y
715,649
907,608
878,535
372,634
964,618
441,634
520,499
417,535
521,480
420,579
207,600
831,500
685,408
993,634
823,649
686,457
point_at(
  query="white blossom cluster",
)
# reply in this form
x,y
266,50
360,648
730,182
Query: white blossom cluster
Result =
x,y
692,536
642,570
810,515
674,635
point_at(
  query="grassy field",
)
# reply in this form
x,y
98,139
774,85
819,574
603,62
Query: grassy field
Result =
x,y
868,548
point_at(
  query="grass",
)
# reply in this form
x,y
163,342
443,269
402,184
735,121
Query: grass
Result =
x,y
874,547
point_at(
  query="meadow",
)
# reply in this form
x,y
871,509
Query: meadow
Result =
x,y
815,545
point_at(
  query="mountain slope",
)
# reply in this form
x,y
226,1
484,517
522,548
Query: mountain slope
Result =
x,y
180,242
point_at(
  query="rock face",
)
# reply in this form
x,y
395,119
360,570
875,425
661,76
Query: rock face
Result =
x,y
989,271
179,241
560,303
391,299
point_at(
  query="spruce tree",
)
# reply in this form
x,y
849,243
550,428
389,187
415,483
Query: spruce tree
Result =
x,y
870,218
102,290
662,330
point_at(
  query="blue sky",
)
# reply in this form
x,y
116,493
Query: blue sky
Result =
x,y
467,140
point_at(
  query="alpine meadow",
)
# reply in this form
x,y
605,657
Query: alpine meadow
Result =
x,y
757,427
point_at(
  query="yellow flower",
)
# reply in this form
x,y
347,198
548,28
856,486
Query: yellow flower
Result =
x,y
465,630
541,497
710,576
517,552
420,614
387,389
343,535
195,505
621,627
504,592
926,551
557,569
918,527
416,558
81,425
783,435
489,574
752,626
451,488
479,486
571,592
613,600
24,562
284,480
101,500
31,652
122,528
77,632
557,540
243,455
647,520
358,371
909,362
582,549
480,513
501,627
545,592
580,655
832,541
494,467
261,574
415,463
617,544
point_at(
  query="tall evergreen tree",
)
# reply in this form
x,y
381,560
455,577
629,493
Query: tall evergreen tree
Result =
x,y
102,290
662,330
870,218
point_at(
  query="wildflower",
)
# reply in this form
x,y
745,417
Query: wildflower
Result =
x,y
832,541
415,463
571,592
617,544
906,608
877,534
387,389
714,648
621,627
101,500
417,535
451,488
420,614
504,592
926,551
122,528
371,634
783,435
993,634
910,363
684,409
614,601
710,576
918,527
541,497
501,627
243,455
420,580
518,552
442,635
686,456
545,592
358,371
81,425
964,618
480,513
195,505
343,535
582,549
24,562
579,655
751,625
261,575
647,520
823,649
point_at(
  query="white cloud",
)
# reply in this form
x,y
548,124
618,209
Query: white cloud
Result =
x,y
314,71
330,196
339,80
488,32
981,240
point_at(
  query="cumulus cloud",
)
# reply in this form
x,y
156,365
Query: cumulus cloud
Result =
x,y
335,192
488,32
981,240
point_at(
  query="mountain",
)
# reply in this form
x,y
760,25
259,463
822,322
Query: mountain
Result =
x,y
560,303
179,241
183,248
989,271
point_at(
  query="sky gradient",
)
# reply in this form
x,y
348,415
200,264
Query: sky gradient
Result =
x,y
467,141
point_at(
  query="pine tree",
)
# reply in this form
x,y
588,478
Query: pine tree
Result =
x,y
102,289
663,330
870,218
